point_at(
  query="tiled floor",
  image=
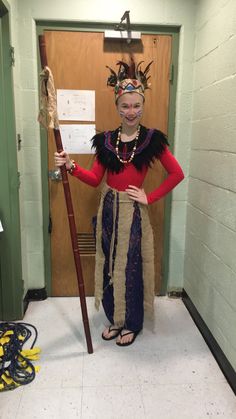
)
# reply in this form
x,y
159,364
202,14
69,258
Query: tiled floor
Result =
x,y
168,373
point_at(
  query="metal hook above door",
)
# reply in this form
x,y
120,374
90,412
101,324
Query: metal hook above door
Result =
x,y
120,26
123,31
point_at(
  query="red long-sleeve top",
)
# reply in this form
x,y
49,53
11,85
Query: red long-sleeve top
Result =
x,y
131,176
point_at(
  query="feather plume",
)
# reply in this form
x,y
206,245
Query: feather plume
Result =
x,y
112,79
129,71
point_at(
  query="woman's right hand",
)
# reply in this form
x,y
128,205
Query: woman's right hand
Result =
x,y
62,158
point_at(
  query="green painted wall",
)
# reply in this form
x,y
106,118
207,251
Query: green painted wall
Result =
x,y
210,262
11,285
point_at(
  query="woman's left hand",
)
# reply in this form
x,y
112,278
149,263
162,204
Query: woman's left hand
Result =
x,y
137,194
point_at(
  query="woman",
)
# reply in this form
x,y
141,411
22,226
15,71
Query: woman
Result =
x,y
124,273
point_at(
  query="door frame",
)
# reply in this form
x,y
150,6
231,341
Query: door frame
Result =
x,y
173,31
11,284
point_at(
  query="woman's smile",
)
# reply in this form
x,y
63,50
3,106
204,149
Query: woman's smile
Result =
x,y
130,108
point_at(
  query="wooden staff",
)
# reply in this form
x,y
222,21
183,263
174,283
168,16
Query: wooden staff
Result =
x,y
70,213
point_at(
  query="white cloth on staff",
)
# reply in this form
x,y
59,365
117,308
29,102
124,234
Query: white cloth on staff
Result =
x,y
48,101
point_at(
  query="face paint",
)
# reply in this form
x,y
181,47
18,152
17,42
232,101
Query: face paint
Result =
x,y
139,113
122,114
130,108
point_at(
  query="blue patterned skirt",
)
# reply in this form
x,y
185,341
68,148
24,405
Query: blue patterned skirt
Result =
x,y
120,263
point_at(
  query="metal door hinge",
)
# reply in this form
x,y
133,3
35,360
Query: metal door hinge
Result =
x,y
19,141
50,225
18,180
171,73
12,56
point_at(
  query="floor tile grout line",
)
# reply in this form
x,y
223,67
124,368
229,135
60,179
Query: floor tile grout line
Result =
x,y
141,395
18,407
82,388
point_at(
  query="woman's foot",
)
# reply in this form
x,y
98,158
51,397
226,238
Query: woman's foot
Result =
x,y
126,337
111,332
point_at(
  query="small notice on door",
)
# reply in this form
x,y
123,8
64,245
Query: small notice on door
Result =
x,y
1,228
76,139
76,105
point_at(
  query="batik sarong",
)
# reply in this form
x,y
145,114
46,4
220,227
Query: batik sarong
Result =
x,y
124,273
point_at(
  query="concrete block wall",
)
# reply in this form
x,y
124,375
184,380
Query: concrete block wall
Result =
x,y
25,80
210,262
23,16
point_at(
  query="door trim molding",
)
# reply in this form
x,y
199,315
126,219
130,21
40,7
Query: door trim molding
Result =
x,y
4,7
11,284
174,31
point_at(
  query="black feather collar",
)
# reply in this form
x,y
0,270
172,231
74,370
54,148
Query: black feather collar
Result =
x,y
151,143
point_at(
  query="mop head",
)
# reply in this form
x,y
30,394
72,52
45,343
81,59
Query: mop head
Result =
x,y
16,366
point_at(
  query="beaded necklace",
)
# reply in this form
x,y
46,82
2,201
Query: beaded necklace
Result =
x,y
132,152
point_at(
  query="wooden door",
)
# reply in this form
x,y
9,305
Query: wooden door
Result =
x,y
78,61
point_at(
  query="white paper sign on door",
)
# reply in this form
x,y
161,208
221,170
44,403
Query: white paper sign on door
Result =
x,y
76,139
76,105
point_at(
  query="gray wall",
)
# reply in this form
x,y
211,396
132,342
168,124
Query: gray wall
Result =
x,y
210,258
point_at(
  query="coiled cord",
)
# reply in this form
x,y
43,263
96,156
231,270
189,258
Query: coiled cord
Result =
x,y
16,367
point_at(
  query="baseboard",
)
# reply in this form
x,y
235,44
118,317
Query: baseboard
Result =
x,y
175,293
224,364
34,295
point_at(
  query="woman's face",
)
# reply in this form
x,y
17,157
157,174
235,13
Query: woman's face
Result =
x,y
130,108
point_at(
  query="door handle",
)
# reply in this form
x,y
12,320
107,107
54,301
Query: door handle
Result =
x,y
55,175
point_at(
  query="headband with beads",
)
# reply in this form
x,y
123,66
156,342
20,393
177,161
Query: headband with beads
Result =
x,y
130,78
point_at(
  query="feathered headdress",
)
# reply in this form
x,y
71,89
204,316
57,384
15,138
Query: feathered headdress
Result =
x,y
130,78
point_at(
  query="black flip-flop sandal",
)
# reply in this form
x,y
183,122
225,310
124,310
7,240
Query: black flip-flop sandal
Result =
x,y
126,334
111,329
